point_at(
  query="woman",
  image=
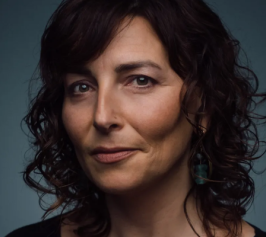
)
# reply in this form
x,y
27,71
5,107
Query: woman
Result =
x,y
142,122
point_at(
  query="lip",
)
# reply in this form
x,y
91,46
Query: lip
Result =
x,y
111,155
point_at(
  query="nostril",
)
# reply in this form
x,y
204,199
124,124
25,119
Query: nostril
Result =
x,y
104,128
114,126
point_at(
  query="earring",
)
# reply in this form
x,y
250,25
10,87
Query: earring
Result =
x,y
202,165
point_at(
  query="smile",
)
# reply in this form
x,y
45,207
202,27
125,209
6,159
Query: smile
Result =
x,y
114,156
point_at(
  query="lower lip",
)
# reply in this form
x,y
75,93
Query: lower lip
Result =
x,y
113,157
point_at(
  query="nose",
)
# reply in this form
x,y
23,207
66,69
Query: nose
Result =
x,y
106,116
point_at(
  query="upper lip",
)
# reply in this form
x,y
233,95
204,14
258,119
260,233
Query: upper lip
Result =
x,y
102,149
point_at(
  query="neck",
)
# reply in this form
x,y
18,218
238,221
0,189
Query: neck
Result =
x,y
155,211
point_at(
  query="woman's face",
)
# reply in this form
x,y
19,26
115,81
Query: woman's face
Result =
x,y
128,97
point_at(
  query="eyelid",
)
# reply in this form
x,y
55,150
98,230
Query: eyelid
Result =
x,y
134,77
71,87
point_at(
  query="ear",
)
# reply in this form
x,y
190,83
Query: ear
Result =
x,y
197,104
204,122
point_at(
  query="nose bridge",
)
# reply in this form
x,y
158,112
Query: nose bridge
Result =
x,y
106,107
104,101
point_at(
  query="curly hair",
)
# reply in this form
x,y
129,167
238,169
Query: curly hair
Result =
x,y
202,52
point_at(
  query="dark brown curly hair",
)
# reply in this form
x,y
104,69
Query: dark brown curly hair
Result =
x,y
202,52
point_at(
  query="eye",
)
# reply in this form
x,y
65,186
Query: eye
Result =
x,y
79,88
142,82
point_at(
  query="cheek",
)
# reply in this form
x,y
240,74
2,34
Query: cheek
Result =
x,y
156,118
76,120
164,128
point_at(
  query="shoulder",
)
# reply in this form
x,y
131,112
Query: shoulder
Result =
x,y
49,227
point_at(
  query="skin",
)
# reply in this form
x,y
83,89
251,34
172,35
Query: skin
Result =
x,y
111,107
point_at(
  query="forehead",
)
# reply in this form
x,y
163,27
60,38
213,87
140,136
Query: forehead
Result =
x,y
135,40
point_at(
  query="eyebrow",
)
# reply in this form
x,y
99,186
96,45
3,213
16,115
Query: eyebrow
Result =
x,y
81,70
120,68
135,65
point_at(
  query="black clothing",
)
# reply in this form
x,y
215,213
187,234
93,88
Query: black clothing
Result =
x,y
47,228
258,232
51,228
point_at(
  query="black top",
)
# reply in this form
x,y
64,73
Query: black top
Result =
x,y
51,228
48,228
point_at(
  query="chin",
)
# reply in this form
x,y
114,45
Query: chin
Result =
x,y
119,184
120,178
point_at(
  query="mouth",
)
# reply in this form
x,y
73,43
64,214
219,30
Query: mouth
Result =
x,y
112,155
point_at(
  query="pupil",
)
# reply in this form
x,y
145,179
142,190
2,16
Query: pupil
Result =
x,y
83,87
142,81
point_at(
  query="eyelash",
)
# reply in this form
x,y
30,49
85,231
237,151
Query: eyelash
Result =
x,y
146,77
72,87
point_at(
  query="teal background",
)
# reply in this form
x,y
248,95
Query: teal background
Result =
x,y
21,25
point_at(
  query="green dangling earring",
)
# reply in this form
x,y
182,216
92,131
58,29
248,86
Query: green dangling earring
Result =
x,y
201,171
202,166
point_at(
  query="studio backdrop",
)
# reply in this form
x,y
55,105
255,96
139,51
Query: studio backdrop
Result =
x,y
21,25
